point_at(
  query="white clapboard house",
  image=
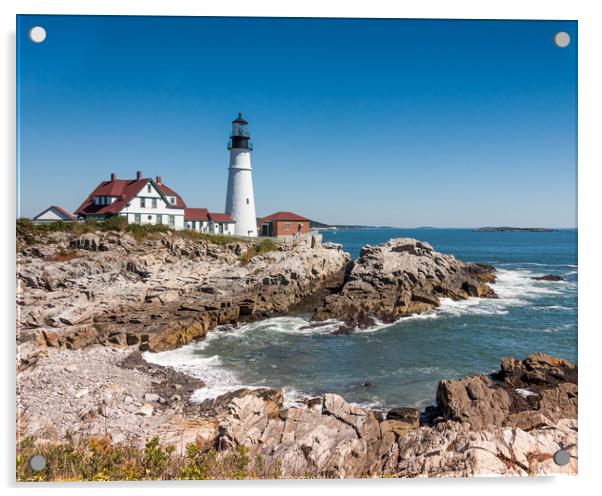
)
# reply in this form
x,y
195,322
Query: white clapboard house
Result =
x,y
146,201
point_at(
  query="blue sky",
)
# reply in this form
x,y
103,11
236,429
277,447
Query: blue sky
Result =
x,y
388,122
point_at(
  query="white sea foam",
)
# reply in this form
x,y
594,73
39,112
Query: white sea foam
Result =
x,y
188,360
557,328
525,393
514,288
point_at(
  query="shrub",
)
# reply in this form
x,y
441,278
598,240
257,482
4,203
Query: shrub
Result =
x,y
264,246
114,223
96,459
141,231
29,233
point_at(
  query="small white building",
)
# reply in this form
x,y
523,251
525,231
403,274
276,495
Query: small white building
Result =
x,y
140,201
53,214
221,224
197,219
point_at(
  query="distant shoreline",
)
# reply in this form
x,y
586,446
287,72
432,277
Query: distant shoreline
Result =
x,y
515,229
342,227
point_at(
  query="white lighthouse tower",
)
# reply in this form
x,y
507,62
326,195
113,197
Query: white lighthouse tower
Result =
x,y
240,203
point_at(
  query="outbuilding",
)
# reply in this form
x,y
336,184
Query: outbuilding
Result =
x,y
284,225
53,213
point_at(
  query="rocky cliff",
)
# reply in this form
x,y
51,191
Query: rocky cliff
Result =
x,y
161,292
400,278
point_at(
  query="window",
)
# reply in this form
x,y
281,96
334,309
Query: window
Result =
x,y
154,200
150,217
148,188
96,200
137,218
143,202
287,227
247,201
159,219
172,221
172,199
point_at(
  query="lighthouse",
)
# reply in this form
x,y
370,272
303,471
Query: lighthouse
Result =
x,y
240,203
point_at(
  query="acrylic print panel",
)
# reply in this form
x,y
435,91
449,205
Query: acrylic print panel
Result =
x,y
295,248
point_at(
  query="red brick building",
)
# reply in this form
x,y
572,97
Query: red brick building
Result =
x,y
283,224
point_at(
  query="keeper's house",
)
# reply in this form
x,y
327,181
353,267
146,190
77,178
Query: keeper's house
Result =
x,y
283,225
140,201
53,214
146,201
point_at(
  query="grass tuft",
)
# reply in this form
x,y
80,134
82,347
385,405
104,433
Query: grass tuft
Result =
x,y
264,246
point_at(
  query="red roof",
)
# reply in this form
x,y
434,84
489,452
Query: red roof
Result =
x,y
64,212
125,190
170,192
196,214
279,216
216,217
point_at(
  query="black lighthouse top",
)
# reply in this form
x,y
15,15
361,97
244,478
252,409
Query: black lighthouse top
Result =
x,y
240,138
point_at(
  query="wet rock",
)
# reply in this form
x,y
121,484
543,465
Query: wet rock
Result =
x,y
548,277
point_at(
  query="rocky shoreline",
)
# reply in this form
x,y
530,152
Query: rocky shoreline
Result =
x,y
88,305
509,423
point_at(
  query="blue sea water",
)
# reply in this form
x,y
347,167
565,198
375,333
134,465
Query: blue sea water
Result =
x,y
401,363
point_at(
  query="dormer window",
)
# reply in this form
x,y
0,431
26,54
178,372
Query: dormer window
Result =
x,y
172,199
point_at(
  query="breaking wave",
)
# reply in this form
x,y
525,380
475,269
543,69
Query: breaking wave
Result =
x,y
514,287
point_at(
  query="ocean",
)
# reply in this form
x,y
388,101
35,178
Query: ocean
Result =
x,y
400,364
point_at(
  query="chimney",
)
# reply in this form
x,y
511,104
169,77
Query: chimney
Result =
x,y
158,181
113,176
138,174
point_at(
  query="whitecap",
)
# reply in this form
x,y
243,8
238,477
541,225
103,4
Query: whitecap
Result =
x,y
557,328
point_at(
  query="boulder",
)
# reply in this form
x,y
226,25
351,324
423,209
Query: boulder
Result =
x,y
540,384
400,278
408,416
475,400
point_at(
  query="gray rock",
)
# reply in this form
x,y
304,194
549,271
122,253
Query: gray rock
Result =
x,y
150,397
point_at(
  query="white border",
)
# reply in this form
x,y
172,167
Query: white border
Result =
x,y
590,162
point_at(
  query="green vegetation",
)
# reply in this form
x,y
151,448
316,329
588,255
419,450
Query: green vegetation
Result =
x,y
29,233
264,246
217,239
95,459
